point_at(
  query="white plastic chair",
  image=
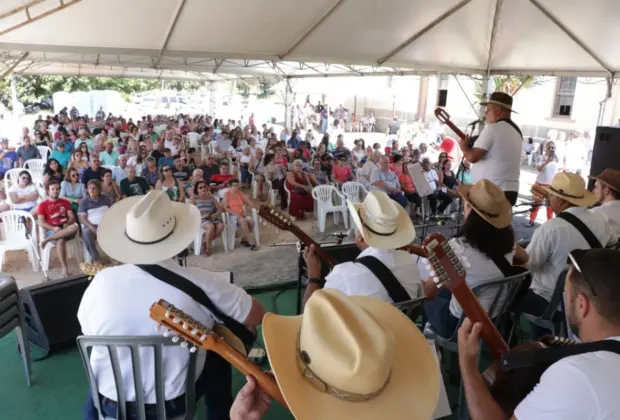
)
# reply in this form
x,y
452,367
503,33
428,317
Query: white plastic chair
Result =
x,y
325,203
14,236
45,152
11,177
201,232
354,191
288,195
74,249
271,193
231,230
36,168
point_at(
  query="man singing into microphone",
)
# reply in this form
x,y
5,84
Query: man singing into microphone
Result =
x,y
496,155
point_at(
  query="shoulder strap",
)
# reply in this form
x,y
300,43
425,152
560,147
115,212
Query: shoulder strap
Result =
x,y
504,266
512,123
548,356
181,283
396,290
582,228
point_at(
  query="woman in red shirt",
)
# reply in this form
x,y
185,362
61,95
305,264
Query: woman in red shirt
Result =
x,y
300,187
341,173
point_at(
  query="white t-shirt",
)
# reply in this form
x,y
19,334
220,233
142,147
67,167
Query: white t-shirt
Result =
x,y
502,162
546,175
432,178
482,270
20,192
117,302
581,387
356,280
554,240
611,211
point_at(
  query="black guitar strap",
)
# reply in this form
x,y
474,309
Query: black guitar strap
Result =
x,y
181,283
582,228
548,356
396,290
505,267
512,123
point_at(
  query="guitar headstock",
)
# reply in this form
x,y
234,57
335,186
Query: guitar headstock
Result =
x,y
278,219
442,115
181,325
445,266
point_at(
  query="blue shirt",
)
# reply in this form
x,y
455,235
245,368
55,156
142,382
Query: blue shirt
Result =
x,y
389,178
61,157
109,158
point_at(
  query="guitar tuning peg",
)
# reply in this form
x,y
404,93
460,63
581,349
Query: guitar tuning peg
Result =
x,y
167,333
168,314
435,279
184,344
193,349
194,331
176,320
203,337
185,326
175,338
432,273
157,328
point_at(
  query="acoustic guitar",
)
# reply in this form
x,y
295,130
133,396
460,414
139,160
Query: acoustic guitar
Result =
x,y
284,222
508,388
180,325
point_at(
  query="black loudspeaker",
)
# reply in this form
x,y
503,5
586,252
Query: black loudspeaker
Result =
x,y
606,151
51,312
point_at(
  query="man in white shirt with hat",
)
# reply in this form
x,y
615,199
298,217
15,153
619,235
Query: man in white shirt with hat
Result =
x,y
346,357
546,254
496,155
150,231
382,226
607,192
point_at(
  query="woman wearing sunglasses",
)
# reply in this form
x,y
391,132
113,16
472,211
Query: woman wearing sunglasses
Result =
x,y
24,194
170,185
72,190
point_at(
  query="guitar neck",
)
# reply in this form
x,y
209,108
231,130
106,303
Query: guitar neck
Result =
x,y
476,313
307,240
266,381
456,130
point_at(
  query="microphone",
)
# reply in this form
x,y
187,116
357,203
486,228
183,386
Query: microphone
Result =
x,y
474,123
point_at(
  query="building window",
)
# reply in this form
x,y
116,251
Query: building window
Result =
x,y
564,96
442,90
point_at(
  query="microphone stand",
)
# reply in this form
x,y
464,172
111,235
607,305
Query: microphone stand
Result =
x,y
22,220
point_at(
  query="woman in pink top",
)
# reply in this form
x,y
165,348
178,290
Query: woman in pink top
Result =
x,y
341,173
236,203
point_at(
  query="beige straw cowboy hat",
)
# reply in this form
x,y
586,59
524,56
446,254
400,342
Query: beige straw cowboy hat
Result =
x,y
489,201
352,358
609,177
147,229
382,222
572,188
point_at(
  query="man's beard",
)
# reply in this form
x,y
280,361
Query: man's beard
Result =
x,y
573,323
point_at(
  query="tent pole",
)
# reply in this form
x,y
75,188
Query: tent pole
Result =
x,y
287,106
471,104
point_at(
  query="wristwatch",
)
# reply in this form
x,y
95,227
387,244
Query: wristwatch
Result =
x,y
319,282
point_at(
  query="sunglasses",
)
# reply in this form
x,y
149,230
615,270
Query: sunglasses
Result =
x,y
74,175
166,170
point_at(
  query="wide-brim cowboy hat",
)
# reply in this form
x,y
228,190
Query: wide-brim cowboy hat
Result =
x,y
411,392
609,177
383,223
147,229
572,188
500,99
489,201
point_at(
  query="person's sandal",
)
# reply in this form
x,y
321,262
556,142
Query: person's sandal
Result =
x,y
245,242
253,248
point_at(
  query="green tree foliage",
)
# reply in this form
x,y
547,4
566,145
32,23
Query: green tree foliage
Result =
x,y
34,89
507,84
263,87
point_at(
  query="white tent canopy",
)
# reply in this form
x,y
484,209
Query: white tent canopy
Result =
x,y
216,39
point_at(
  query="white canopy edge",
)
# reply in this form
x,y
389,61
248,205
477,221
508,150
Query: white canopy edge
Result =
x,y
192,39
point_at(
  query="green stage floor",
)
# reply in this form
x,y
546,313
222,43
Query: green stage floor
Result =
x,y
59,384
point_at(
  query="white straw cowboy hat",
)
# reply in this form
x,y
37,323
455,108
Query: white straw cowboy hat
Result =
x,y
382,222
489,201
572,188
352,358
147,229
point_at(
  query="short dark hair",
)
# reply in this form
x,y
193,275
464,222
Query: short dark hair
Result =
x,y
233,181
94,182
601,266
52,182
485,237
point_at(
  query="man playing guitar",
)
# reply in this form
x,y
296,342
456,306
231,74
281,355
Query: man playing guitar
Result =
x,y
579,387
